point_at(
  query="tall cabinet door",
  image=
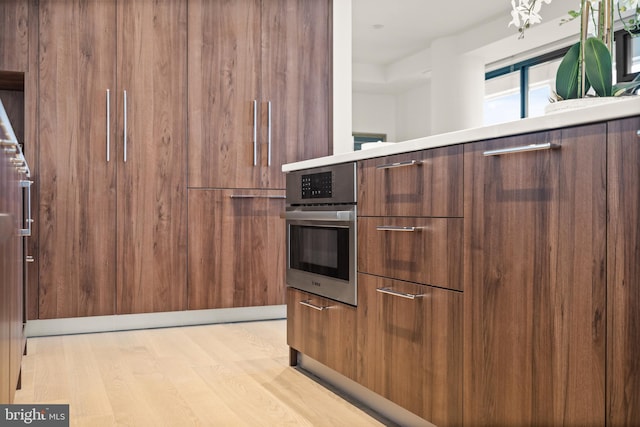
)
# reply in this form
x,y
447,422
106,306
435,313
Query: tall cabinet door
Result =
x,y
535,270
152,156
623,273
296,84
224,66
77,165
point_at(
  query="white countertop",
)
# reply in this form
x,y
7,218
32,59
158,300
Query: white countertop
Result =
x,y
618,108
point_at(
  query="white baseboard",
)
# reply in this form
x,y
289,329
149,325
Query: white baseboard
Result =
x,y
123,322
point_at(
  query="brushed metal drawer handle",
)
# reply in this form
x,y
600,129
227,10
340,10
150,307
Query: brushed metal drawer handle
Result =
x,y
522,149
400,164
308,303
256,196
389,291
397,228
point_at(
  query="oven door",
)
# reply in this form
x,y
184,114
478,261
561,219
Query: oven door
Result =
x,y
321,252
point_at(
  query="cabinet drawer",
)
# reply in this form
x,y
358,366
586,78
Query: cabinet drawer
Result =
x,y
410,349
322,329
423,183
422,250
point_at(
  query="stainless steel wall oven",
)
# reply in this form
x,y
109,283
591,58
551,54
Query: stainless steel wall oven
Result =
x,y
321,231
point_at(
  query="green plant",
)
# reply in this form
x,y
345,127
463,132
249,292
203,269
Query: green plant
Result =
x,y
588,63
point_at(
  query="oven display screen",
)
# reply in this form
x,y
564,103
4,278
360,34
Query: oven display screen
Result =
x,y
320,250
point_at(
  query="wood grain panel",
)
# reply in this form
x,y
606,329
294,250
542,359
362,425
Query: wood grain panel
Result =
x,y
76,184
535,281
410,351
224,66
152,199
296,79
431,188
14,35
328,336
236,249
430,255
623,273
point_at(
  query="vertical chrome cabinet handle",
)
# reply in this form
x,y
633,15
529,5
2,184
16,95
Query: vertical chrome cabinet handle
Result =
x,y
125,127
108,125
25,183
255,132
269,135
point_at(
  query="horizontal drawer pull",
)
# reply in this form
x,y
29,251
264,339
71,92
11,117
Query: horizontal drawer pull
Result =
x,y
308,303
255,196
400,164
405,295
397,228
522,149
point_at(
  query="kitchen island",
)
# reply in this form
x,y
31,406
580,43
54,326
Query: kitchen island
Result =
x,y
514,299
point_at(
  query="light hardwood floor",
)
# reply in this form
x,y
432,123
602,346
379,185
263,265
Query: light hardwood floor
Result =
x,y
212,375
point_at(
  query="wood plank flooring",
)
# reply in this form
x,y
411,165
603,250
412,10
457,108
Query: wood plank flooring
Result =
x,y
213,375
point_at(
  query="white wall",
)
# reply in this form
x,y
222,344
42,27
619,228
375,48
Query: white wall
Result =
x,y
375,113
413,113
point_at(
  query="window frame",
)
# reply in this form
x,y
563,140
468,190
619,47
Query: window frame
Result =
x,y
523,68
624,55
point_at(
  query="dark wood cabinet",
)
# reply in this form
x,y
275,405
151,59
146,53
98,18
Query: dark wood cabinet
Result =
x,y
14,35
535,259
410,346
421,250
410,234
112,213
422,183
623,273
236,248
77,206
259,89
322,329
151,181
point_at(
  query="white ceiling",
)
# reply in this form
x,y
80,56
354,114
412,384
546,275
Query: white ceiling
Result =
x,y
409,26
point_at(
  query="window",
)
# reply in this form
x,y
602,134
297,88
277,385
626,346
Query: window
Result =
x,y
627,56
361,138
520,90
523,89
502,99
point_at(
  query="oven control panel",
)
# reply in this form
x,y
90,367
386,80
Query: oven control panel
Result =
x,y
335,184
317,185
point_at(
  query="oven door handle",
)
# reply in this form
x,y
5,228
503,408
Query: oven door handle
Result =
x,y
320,215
